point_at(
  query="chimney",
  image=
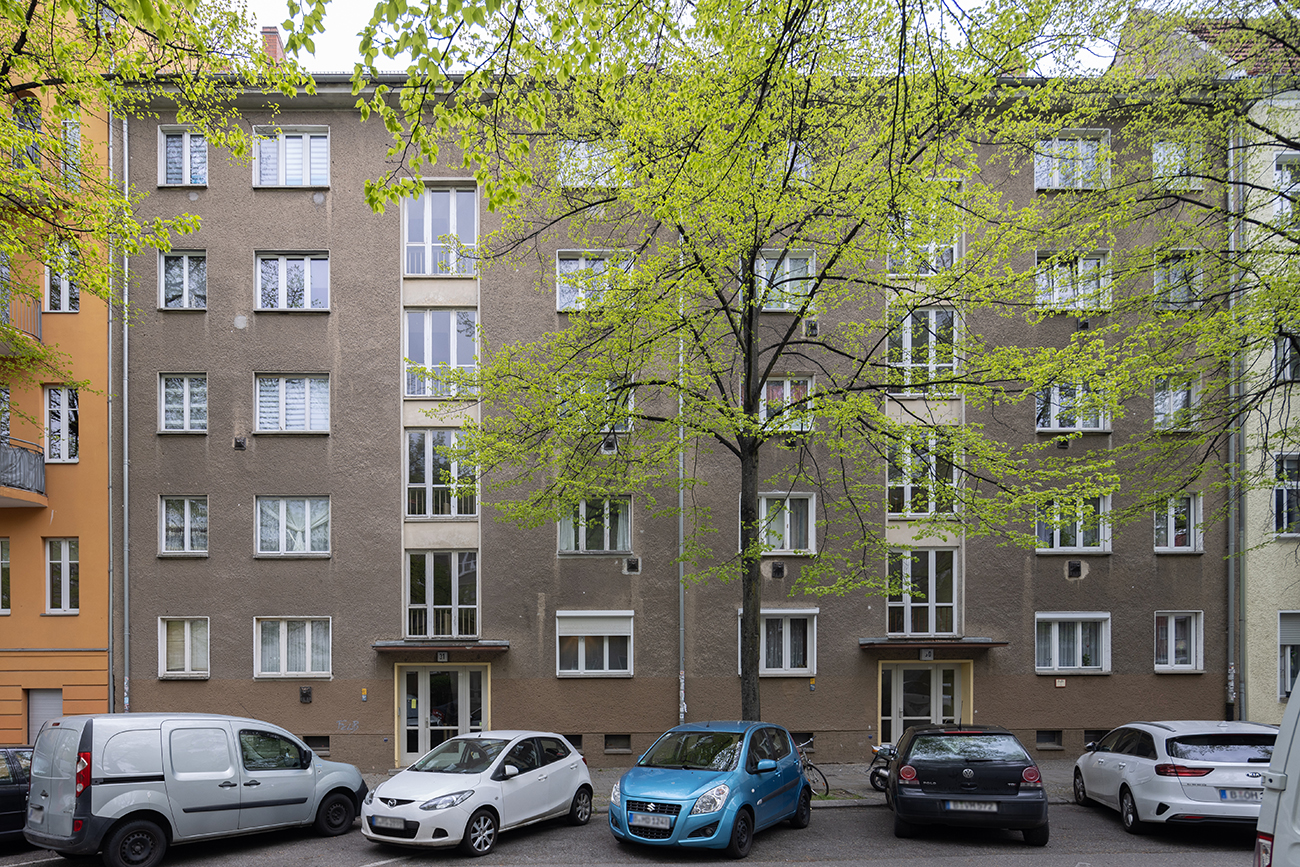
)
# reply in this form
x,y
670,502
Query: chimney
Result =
x,y
271,44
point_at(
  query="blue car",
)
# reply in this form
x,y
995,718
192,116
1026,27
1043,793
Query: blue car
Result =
x,y
711,785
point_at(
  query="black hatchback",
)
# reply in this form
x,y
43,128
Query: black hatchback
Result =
x,y
15,775
972,776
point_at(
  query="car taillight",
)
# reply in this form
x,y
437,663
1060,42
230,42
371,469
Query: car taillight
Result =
x,y
1030,778
1263,850
907,776
1180,771
83,772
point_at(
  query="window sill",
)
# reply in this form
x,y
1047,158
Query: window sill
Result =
x,y
60,613
791,673
182,555
291,186
182,309
294,676
176,675
580,675
439,519
783,553
57,312
297,555
439,397
193,433
1070,672
1189,550
579,555
293,310
182,186
291,433
49,460
1073,552
1059,431
1170,670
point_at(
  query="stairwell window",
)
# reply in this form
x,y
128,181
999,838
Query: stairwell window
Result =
x,y
442,594
436,485
922,473
292,157
922,357
926,599
438,342
441,227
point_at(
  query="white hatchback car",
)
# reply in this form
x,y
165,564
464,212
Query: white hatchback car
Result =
x,y
467,789
1178,771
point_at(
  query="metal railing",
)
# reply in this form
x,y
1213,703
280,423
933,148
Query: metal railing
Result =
x,y
21,312
22,465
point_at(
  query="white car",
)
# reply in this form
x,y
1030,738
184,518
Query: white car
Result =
x,y
469,788
1178,772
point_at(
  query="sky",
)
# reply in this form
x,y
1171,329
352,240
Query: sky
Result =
x,y
336,49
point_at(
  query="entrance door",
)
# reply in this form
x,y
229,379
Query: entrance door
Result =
x,y
915,694
439,703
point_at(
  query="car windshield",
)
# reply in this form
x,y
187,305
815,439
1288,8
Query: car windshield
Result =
x,y
1242,748
713,751
461,756
967,747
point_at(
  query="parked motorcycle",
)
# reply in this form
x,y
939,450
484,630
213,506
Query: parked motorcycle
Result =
x,y
878,773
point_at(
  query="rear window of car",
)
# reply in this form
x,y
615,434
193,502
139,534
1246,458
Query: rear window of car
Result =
x,y
55,756
1240,748
967,747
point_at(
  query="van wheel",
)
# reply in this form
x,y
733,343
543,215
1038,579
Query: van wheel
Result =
x,y
335,815
136,844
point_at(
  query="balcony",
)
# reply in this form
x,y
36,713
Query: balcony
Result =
x,y
21,313
22,475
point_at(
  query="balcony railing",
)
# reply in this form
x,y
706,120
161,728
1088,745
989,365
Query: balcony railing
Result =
x,y
22,465
22,313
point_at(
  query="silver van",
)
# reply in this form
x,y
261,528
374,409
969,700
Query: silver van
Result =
x,y
130,785
1277,833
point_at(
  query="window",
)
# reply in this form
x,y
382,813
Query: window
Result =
x,y
62,580
182,647
184,157
593,643
1070,407
268,751
1073,161
1070,640
183,281
1178,525
783,278
293,403
292,647
291,157
1073,282
441,231
799,161
582,278
293,282
62,293
1288,631
437,342
436,484
1075,525
442,594
606,405
1177,164
293,525
1173,404
184,525
4,576
1286,495
926,601
1179,280
72,151
1178,641
587,164
921,356
914,249
922,472
184,402
1287,172
788,523
61,426
787,642
27,120
1288,358
597,527
787,403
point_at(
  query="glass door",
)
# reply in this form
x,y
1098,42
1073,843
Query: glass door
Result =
x,y
916,694
439,703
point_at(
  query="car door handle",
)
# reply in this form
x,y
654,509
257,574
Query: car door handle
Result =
x,y
228,784
252,783
1122,765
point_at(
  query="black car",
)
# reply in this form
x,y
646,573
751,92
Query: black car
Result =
x,y
15,774
973,776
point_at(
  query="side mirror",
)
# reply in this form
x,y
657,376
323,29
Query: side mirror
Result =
x,y
766,765
306,757
508,771
1090,746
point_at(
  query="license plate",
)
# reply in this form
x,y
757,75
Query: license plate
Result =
x,y
642,820
388,822
36,815
1241,794
973,806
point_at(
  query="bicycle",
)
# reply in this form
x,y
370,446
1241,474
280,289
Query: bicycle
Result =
x,y
816,779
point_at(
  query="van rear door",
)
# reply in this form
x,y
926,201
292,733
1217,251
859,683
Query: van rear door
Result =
x,y
53,798
202,777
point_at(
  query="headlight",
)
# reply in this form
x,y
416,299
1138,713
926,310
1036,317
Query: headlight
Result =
x,y
712,800
616,797
370,797
442,802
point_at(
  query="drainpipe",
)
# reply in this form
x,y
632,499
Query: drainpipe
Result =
x,y
126,453
681,540
1237,694
112,690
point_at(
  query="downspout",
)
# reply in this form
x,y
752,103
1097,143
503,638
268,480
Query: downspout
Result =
x,y
1237,694
681,534
126,452
112,690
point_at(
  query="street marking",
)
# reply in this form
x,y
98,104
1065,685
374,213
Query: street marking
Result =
x,y
371,864
42,861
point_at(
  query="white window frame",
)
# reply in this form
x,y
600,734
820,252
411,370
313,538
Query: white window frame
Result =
x,y
62,289
1183,508
1179,272
1073,620
1062,282
924,260
196,665
917,343
447,255
282,302
572,526
67,431
784,278
311,625
913,469
5,587
313,422
784,615
429,385
1169,643
1056,409
592,628
71,143
777,540
192,509
69,562
189,260
1286,495
1288,639
1286,173
461,496
585,281
906,603
1076,529
798,420
1062,162
311,507
799,160
1177,164
270,138
453,609
1174,404
1286,356
193,142
188,403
